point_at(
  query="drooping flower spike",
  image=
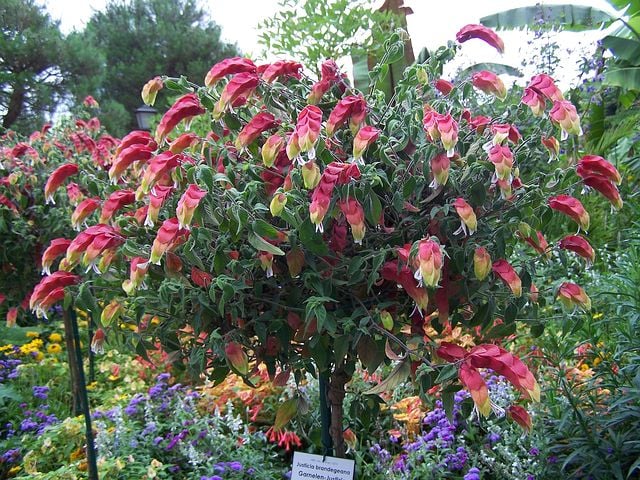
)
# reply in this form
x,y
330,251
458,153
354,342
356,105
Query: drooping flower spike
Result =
x,y
352,108
564,114
508,275
428,263
282,68
468,221
184,108
489,83
56,179
573,208
126,157
241,85
157,197
150,90
56,248
115,202
606,188
480,32
590,165
187,205
403,277
354,213
83,210
229,66
579,245
260,123
572,295
50,291
307,130
365,137
440,165
137,272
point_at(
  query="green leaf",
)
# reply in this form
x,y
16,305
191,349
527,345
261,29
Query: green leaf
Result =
x,y
85,300
447,372
623,48
497,68
574,18
447,402
312,240
340,348
7,392
395,378
627,78
264,229
261,244
286,411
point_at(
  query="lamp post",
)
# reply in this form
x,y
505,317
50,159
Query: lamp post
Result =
x,y
144,114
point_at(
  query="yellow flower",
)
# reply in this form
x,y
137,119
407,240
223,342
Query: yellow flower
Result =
x,y
597,361
38,356
584,367
15,470
597,316
32,334
92,386
54,348
55,338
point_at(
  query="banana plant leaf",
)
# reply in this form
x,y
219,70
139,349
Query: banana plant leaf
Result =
x,y
623,48
625,77
497,68
574,18
633,6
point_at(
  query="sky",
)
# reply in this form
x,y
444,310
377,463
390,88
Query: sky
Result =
x,y
432,24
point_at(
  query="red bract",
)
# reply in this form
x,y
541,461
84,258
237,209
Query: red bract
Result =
x,y
502,159
519,415
115,202
365,137
56,248
545,86
353,108
565,115
440,165
481,32
188,203
134,138
156,168
260,123
271,148
552,145
606,188
137,271
307,129
50,290
166,238
229,66
471,379
282,68
443,86
97,342
157,196
404,278
240,86
579,245
539,244
136,152
469,223
441,127
508,275
451,352
236,357
83,210
479,123
200,278
56,178
505,131
150,90
572,208
354,214
428,263
572,295
596,165
185,108
534,100
490,83
184,141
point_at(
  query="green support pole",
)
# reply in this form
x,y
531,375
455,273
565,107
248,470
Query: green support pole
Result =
x,y
91,450
325,415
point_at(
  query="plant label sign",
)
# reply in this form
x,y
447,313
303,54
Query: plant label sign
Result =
x,y
316,467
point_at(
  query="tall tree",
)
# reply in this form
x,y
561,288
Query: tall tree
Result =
x,y
144,38
37,64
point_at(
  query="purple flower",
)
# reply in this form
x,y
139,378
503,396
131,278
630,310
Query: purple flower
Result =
x,y
534,452
236,466
493,437
41,392
472,474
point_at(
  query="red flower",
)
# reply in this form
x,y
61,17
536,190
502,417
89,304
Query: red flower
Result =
x,y
440,165
572,295
428,261
157,197
552,145
165,239
184,141
505,131
237,358
354,214
50,290
307,131
471,379
544,85
136,137
97,342
481,32
502,159
137,271
150,90
535,100
240,86
481,263
156,168
565,115
572,208
468,221
56,178
365,137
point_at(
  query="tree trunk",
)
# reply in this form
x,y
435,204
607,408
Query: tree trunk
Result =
x,y
14,109
339,379
74,373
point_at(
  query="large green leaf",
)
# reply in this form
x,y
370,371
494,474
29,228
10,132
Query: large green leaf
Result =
x,y
497,68
623,48
628,77
572,17
634,6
